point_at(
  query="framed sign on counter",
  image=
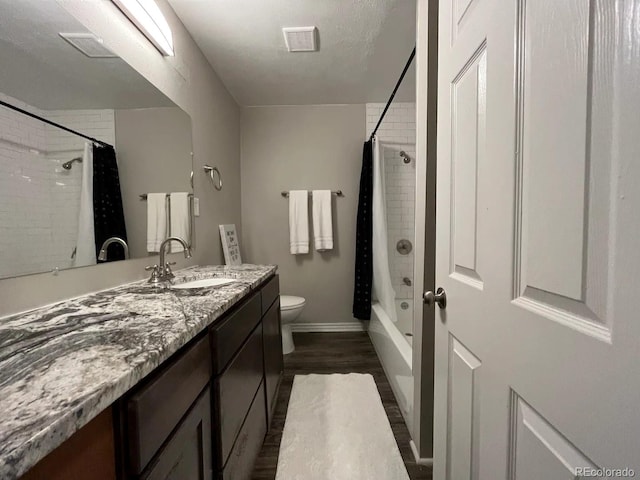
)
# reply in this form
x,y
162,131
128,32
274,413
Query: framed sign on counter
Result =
x,y
230,244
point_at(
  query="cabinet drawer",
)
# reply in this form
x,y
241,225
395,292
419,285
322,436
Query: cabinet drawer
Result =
x,y
228,335
235,390
155,409
187,455
247,447
270,292
273,359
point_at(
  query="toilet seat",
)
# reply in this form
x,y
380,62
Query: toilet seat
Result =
x,y
290,302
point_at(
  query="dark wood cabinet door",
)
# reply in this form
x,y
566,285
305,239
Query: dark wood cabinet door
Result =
x,y
247,447
235,390
187,455
269,293
273,358
230,332
156,407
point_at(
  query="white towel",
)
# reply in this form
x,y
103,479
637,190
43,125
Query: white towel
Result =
x,y
156,221
322,221
299,221
180,219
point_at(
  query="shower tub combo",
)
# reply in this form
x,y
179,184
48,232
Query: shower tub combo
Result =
x,y
392,332
395,354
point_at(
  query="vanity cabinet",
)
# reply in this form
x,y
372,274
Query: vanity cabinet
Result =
x,y
187,455
235,389
201,415
247,446
164,420
204,413
272,344
155,408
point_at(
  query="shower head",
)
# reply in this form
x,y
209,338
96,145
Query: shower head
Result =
x,y
69,164
405,158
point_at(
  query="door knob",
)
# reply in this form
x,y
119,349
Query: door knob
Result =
x,y
440,297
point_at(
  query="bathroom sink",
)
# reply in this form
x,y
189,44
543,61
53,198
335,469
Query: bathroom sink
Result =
x,y
205,282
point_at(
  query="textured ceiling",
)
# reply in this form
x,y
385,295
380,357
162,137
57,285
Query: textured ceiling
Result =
x,y
41,69
364,44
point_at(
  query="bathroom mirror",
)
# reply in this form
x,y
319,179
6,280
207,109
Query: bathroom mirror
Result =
x,y
61,191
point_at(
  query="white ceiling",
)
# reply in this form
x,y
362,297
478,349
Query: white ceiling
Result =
x,y
41,69
364,45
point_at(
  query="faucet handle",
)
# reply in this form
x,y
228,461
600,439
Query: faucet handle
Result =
x,y
167,270
155,273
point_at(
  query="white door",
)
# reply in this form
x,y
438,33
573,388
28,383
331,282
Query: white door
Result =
x,y
538,219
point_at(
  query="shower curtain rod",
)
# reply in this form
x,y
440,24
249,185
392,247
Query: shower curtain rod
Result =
x,y
393,94
33,115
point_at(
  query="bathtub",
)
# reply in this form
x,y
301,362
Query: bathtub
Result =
x,y
395,353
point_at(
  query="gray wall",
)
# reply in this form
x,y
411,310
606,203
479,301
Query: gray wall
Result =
x,y
189,81
154,155
303,147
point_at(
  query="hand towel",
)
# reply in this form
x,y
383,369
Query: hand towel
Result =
x,y
299,221
322,221
156,221
180,219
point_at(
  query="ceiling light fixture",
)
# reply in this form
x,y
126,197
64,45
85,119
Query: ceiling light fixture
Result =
x,y
146,15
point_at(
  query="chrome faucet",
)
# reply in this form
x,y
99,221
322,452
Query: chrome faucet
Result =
x,y
162,272
102,256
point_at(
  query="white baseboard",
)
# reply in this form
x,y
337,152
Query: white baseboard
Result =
x,y
328,327
420,461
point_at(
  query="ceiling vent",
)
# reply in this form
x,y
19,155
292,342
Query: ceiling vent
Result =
x,y
88,44
301,39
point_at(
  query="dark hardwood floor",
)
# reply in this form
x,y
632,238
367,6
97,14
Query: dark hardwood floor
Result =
x,y
334,353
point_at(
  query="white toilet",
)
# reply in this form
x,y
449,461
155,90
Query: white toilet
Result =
x,y
290,309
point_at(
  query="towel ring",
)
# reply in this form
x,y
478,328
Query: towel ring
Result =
x,y
212,171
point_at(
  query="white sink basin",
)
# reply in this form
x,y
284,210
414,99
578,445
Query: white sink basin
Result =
x,y
205,282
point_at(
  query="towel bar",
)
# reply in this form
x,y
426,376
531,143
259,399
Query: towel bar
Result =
x,y
143,196
337,193
212,171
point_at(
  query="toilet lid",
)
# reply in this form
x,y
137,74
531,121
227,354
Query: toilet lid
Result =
x,y
287,302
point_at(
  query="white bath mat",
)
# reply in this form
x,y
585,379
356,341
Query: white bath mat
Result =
x,y
337,429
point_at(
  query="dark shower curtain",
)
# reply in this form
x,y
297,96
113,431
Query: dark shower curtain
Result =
x,y
108,214
364,234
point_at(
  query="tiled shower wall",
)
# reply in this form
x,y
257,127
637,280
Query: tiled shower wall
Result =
x,y
39,200
398,133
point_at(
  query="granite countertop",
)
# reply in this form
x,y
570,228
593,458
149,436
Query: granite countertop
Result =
x,y
63,364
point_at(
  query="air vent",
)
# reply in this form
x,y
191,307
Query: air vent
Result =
x,y
301,39
88,44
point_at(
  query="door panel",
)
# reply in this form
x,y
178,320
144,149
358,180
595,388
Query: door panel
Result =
x,y
563,191
538,194
555,84
468,111
537,450
463,408
462,8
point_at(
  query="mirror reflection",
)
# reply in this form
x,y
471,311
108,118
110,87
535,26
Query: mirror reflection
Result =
x,y
95,162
